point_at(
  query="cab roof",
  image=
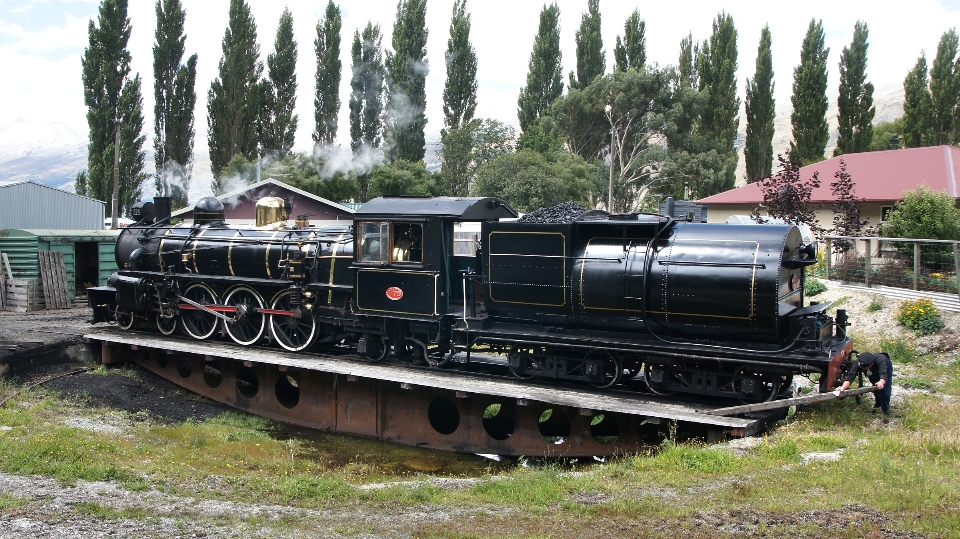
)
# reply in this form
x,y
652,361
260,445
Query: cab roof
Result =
x,y
465,208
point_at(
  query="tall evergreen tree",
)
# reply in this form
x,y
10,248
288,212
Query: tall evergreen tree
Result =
x,y
855,102
459,102
687,64
917,107
544,78
718,75
233,101
810,131
761,111
113,101
591,58
175,97
945,89
407,70
631,52
366,83
326,103
278,123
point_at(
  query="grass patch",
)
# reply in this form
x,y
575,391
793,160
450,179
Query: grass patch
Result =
x,y
104,512
901,349
877,303
915,382
9,501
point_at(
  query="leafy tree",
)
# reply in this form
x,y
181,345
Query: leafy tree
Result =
x,y
525,179
404,177
687,64
465,148
366,96
945,89
544,78
113,102
888,135
924,214
175,97
855,103
407,69
787,196
543,137
631,53
326,103
239,171
459,103
917,107
306,171
233,101
278,123
717,68
846,209
761,111
591,58
810,131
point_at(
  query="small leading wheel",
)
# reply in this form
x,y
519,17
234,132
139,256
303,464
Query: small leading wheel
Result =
x,y
753,386
292,332
377,347
197,323
249,324
124,319
656,377
524,361
610,367
166,325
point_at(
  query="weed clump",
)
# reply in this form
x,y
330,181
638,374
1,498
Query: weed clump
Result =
x,y
814,287
920,315
876,304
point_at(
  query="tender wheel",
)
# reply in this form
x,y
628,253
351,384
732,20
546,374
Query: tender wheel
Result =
x,y
167,326
199,324
656,379
293,333
611,366
525,361
752,386
124,319
249,325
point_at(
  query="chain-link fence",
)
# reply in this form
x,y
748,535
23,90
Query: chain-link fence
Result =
x,y
925,265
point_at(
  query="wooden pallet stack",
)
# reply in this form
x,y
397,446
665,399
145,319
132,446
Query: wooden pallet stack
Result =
x,y
56,291
21,295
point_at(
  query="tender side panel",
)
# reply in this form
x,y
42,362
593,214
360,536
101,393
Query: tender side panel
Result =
x,y
527,268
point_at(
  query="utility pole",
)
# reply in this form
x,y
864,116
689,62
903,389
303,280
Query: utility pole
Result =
x,y
116,177
613,149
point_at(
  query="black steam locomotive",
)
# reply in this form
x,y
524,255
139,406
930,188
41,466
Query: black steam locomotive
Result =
x,y
708,309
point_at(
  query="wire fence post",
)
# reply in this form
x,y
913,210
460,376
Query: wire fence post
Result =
x,y
916,265
867,262
956,267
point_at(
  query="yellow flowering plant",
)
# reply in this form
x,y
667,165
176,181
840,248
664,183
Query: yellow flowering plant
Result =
x,y
920,315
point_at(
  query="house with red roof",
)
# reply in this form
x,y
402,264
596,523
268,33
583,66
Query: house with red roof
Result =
x,y
880,179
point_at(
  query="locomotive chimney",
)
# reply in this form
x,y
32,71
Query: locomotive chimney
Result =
x,y
669,203
161,209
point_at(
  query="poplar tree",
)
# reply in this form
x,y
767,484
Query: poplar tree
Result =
x,y
544,78
113,102
761,111
917,107
717,68
810,131
459,102
366,95
175,96
278,123
407,70
945,89
855,102
631,52
233,101
687,65
591,58
326,102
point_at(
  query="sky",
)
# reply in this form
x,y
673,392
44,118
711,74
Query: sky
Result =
x,y
42,41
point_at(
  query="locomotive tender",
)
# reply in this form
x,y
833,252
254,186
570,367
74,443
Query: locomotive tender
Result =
x,y
707,309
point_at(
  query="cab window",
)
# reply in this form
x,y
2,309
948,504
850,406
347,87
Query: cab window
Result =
x,y
407,243
374,242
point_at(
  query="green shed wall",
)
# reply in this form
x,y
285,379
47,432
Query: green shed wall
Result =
x,y
21,247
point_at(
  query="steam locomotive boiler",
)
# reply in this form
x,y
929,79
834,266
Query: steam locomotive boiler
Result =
x,y
673,306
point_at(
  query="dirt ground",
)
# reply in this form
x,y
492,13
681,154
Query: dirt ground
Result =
x,y
53,510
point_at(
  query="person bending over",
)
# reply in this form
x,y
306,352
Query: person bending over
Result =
x,y
879,370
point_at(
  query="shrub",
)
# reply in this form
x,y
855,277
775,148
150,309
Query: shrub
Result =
x,y
814,287
920,315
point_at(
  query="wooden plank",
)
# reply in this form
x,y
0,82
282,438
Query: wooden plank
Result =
x,y
784,403
54,278
3,284
61,288
6,265
45,277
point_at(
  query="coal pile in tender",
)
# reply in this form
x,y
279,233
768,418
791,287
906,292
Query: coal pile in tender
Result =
x,y
561,213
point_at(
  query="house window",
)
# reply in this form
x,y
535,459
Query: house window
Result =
x,y
885,213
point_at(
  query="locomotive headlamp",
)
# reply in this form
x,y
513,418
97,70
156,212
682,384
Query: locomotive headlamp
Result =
x,y
809,250
308,294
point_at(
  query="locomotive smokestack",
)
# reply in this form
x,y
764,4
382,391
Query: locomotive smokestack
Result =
x,y
669,203
161,209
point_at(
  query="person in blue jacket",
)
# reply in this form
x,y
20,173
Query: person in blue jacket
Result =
x,y
879,370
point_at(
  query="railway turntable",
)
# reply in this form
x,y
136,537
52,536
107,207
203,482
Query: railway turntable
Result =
x,y
428,407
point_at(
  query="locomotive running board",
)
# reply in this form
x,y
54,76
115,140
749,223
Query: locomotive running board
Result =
x,y
433,408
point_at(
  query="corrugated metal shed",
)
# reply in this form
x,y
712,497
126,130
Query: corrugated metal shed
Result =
x,y
88,255
29,205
